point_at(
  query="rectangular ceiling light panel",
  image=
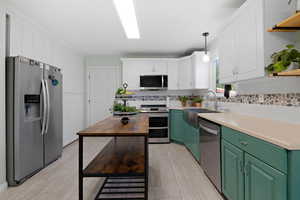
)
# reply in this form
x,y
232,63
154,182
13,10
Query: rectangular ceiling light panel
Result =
x,y
126,11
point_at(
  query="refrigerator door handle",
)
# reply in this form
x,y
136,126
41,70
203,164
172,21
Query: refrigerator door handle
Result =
x,y
48,105
44,107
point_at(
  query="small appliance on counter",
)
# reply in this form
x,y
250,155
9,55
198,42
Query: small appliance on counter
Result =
x,y
33,117
158,122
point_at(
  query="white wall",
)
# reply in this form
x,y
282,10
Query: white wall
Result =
x,y
31,40
103,60
2,98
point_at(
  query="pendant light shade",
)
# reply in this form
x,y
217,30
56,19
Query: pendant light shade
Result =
x,y
206,57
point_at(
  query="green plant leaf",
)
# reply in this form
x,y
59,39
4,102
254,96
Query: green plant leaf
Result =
x,y
290,46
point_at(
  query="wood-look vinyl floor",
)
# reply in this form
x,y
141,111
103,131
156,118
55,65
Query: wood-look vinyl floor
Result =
x,y
174,175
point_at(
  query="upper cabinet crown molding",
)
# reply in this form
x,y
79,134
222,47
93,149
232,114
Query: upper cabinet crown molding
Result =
x,y
244,44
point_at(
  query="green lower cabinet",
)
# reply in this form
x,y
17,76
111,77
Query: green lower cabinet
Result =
x,y
262,182
176,125
182,132
192,141
232,172
245,177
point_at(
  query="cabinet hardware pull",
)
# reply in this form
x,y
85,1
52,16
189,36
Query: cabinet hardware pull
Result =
x,y
244,143
247,169
241,166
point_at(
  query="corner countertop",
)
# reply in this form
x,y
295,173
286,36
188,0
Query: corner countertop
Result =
x,y
282,134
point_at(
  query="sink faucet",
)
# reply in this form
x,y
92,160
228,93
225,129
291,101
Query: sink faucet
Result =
x,y
215,98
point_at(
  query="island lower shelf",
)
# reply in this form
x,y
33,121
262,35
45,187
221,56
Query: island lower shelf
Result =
x,y
121,157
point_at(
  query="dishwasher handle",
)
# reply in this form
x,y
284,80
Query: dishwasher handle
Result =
x,y
209,130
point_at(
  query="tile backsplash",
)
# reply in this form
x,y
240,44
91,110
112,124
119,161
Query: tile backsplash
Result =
x,y
290,99
151,97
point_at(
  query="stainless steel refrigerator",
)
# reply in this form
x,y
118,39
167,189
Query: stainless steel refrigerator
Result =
x,y
33,117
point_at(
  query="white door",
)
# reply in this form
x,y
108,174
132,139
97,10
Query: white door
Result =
x,y
102,85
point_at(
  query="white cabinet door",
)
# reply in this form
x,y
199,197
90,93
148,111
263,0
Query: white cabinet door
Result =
x,y
227,55
131,74
248,57
200,72
144,67
173,82
160,67
185,73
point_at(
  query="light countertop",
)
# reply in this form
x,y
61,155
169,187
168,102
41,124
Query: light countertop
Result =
x,y
282,134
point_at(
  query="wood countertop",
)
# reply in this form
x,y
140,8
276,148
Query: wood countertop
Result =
x,y
282,134
112,126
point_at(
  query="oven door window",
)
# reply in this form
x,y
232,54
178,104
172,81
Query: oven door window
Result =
x,y
158,122
158,133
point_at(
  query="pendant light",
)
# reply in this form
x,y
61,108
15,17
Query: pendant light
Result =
x,y
206,57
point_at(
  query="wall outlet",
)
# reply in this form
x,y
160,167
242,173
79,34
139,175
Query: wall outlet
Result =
x,y
261,98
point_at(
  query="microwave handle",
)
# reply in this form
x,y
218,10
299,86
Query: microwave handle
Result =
x,y
162,81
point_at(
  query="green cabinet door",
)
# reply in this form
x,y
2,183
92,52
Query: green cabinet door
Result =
x,y
194,142
232,172
176,123
262,182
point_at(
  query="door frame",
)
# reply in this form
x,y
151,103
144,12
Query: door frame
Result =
x,y
89,69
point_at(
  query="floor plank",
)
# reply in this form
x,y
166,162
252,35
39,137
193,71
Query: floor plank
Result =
x,y
174,175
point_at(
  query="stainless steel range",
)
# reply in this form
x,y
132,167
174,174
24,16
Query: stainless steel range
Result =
x,y
158,122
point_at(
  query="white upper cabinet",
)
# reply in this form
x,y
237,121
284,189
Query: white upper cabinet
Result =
x,y
200,72
183,73
173,69
131,72
160,67
227,54
245,46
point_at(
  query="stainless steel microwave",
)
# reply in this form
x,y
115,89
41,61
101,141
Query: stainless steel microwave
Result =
x,y
154,82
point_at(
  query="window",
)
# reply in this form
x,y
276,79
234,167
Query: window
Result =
x,y
220,88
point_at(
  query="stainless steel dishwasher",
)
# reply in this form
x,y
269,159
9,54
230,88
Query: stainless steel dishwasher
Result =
x,y
210,160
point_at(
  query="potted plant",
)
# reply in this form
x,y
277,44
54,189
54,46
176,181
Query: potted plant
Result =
x,y
124,111
197,101
183,100
284,60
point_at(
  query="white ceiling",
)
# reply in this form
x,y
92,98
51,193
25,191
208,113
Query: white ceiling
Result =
x,y
168,27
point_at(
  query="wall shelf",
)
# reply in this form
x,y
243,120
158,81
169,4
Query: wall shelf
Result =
x,y
295,72
291,24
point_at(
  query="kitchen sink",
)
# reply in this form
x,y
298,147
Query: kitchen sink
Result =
x,y
192,118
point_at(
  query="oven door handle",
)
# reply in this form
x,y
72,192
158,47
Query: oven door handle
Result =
x,y
211,131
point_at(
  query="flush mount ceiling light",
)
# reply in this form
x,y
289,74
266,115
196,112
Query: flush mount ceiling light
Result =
x,y
206,57
126,12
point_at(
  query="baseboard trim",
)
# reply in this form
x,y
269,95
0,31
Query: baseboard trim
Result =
x,y
3,187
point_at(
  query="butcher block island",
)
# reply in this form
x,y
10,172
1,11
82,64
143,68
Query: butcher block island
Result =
x,y
123,161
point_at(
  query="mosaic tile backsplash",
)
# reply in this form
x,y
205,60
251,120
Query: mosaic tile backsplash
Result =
x,y
291,99
149,98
